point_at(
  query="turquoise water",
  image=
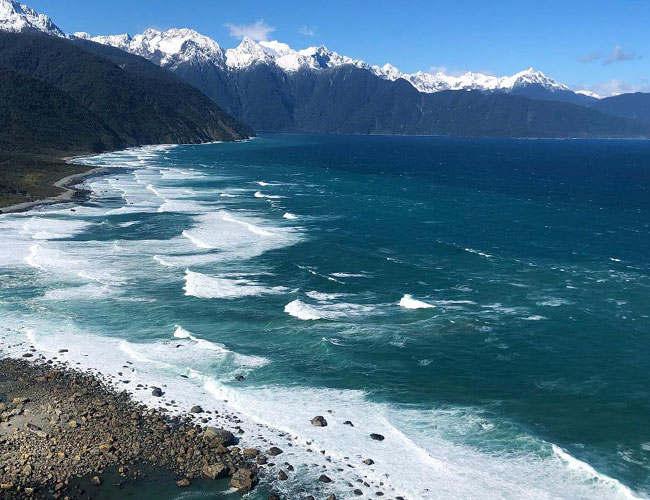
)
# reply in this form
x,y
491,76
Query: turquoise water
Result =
x,y
481,303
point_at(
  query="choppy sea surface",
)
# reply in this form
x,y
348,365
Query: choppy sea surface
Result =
x,y
483,304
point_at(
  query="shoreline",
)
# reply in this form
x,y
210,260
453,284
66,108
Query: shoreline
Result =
x,y
59,424
70,192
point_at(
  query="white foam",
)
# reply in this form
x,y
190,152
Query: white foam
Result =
x,y
244,360
302,311
325,297
238,237
553,302
477,252
535,317
269,196
41,228
408,302
308,312
349,275
289,216
213,287
83,292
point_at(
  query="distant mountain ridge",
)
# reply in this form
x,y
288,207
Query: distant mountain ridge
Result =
x,y
273,87
173,47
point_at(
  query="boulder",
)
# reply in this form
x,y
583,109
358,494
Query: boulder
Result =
x,y
319,421
223,436
157,392
274,451
96,480
368,461
196,409
324,479
282,476
216,471
244,480
183,483
377,437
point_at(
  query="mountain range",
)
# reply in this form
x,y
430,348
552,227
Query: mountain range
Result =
x,y
272,87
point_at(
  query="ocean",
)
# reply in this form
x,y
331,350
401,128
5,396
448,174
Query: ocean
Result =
x,y
484,304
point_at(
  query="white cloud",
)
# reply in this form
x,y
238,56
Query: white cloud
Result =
x,y
259,30
307,31
434,70
619,55
592,57
615,87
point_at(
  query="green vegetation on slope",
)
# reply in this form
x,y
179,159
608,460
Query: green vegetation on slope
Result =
x,y
62,98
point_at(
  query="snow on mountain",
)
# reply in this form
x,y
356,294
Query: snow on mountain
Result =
x,y
166,48
589,93
427,82
18,18
174,47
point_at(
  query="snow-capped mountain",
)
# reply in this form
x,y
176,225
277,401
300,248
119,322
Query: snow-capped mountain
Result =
x,y
169,48
175,47
427,82
18,18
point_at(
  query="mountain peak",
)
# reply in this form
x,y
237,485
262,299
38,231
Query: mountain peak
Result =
x,y
177,46
18,18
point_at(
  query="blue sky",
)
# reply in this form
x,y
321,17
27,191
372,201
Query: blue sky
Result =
x,y
596,44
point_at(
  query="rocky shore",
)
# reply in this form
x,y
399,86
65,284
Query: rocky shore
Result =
x,y
58,424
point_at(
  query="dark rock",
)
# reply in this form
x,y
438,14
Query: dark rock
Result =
x,y
331,497
240,378
224,437
196,409
273,496
377,437
282,476
157,392
319,421
274,451
244,480
368,461
358,492
347,422
324,479
216,471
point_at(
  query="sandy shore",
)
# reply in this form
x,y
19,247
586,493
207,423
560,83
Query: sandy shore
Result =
x,y
58,424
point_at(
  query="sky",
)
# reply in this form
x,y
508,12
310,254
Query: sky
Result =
x,y
599,45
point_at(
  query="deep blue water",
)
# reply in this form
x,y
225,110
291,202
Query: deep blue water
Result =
x,y
309,264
